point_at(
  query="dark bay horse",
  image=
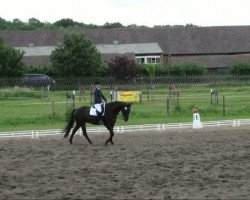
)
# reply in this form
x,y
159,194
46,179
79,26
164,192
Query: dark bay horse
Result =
x,y
81,116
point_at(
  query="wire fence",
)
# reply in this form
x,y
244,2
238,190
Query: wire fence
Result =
x,y
62,83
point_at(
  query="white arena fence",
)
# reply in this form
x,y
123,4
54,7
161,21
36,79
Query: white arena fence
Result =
x,y
123,129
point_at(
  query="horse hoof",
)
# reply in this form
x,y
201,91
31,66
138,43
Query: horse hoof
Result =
x,y
70,141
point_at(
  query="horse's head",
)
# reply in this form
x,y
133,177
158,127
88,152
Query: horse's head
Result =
x,y
125,111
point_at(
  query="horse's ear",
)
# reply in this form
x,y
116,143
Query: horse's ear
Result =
x,y
131,103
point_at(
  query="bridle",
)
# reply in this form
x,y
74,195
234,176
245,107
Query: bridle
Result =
x,y
124,116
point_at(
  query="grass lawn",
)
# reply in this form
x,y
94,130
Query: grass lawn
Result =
x,y
27,109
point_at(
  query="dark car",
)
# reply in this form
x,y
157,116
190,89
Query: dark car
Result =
x,y
37,80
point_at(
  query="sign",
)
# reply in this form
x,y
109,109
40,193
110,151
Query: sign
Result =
x,y
128,96
197,120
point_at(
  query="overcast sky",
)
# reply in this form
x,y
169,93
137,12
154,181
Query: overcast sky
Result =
x,y
140,12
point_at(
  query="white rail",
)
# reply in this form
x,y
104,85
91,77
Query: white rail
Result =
x,y
123,129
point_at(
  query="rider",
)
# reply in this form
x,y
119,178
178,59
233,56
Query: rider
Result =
x,y
98,96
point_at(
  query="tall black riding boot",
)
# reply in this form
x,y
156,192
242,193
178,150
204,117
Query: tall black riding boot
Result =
x,y
99,117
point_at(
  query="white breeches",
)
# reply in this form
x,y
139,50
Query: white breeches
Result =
x,y
98,107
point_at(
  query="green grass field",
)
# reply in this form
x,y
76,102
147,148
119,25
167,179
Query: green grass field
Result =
x,y
29,109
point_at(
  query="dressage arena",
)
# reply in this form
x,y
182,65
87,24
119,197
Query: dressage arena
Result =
x,y
208,163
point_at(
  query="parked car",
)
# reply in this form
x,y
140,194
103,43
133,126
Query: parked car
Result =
x,y
37,80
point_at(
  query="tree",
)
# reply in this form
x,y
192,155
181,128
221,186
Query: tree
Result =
x,y
65,23
132,26
123,68
35,23
76,56
10,61
3,24
113,25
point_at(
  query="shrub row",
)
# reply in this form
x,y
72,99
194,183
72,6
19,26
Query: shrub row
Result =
x,y
188,69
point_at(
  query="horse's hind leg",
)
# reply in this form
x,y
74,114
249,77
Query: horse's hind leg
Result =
x,y
73,133
84,132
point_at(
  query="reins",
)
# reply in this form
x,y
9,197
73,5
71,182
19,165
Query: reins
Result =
x,y
121,115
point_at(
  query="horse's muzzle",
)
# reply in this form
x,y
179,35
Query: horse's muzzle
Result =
x,y
125,118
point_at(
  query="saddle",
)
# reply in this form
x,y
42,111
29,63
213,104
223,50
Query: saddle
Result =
x,y
93,110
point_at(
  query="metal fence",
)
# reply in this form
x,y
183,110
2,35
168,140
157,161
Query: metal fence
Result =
x,y
68,83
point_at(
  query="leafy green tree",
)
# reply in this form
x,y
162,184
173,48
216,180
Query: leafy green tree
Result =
x,y
65,23
10,61
132,26
35,23
19,25
76,56
3,24
113,25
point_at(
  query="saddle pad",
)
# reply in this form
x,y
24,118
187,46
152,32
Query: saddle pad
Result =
x,y
92,111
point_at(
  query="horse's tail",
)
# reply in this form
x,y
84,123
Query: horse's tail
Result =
x,y
66,131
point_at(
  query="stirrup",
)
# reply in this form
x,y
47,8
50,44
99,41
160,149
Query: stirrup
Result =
x,y
100,122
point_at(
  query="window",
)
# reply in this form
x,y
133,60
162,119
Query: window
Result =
x,y
140,60
158,60
148,59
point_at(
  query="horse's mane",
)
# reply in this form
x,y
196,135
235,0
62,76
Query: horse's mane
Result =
x,y
116,105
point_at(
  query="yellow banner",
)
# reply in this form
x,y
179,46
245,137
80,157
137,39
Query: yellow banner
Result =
x,y
128,96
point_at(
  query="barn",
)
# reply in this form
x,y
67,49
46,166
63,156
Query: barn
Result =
x,y
215,47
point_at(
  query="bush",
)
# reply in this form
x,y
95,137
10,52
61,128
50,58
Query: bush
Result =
x,y
124,68
153,69
187,69
42,69
183,69
240,68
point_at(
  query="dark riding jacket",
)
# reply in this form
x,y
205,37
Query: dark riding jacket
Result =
x,y
98,96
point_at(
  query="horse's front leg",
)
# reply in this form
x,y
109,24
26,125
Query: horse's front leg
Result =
x,y
110,128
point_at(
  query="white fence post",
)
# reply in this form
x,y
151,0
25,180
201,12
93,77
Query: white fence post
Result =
x,y
162,127
159,127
